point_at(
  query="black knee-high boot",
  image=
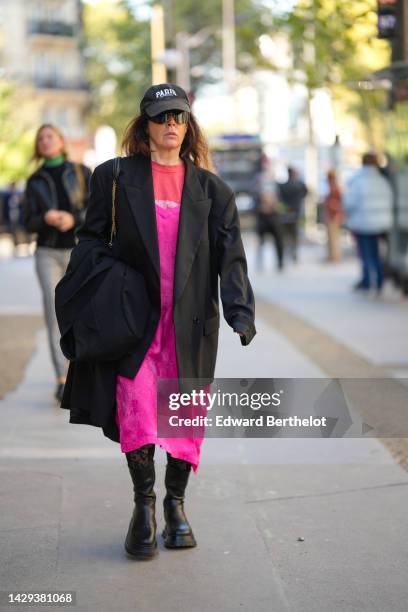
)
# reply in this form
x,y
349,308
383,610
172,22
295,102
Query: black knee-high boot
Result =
x,y
141,537
177,532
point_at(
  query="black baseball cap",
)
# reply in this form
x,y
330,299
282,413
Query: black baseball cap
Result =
x,y
164,97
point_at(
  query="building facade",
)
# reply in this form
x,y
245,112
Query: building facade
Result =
x,y
40,49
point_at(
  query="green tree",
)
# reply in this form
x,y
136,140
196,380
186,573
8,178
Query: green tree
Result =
x,y
251,21
334,46
117,49
16,132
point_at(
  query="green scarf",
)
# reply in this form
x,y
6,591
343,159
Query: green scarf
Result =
x,y
54,161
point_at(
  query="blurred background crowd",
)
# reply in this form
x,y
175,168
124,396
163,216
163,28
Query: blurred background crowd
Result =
x,y
290,95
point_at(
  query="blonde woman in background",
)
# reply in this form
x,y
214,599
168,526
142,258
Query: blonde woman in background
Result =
x,y
55,200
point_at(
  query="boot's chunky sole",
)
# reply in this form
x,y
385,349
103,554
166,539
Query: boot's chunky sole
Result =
x,y
178,540
142,553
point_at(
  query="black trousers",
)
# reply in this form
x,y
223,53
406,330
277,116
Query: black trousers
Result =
x,y
270,224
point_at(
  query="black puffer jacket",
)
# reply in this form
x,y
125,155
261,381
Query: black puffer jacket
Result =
x,y
41,196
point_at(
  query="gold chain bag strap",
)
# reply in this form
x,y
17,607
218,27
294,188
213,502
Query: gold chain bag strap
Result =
x,y
116,170
81,182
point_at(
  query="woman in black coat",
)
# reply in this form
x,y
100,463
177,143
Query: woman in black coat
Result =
x,y
54,206
177,223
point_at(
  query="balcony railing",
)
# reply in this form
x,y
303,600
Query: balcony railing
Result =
x,y
45,82
53,28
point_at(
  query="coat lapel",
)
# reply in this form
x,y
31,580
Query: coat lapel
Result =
x,y
193,214
139,191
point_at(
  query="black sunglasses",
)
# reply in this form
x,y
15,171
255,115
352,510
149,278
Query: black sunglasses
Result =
x,y
179,117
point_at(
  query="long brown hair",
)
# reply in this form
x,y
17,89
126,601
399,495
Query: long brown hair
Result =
x,y
194,146
37,155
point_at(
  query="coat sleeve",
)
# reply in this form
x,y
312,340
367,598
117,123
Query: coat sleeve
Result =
x,y
33,215
236,292
98,217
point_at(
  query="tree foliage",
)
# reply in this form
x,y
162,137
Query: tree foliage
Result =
x,y
251,20
333,41
335,46
117,49
16,132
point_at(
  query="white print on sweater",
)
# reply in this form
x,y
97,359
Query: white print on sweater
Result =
x,y
167,203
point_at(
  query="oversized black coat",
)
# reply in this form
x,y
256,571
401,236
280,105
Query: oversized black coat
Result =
x,y
209,256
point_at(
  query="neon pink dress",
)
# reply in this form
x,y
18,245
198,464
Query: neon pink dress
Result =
x,y
136,398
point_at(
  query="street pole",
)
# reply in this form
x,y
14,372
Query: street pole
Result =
x,y
228,50
312,155
157,45
183,67
185,42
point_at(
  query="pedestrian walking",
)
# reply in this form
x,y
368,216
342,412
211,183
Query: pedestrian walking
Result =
x,y
333,214
268,218
368,202
54,204
13,214
292,194
176,223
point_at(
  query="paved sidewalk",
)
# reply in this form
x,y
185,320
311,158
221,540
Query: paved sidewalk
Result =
x,y
67,500
321,293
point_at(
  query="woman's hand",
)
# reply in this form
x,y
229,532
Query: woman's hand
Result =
x,y
60,219
52,217
66,221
